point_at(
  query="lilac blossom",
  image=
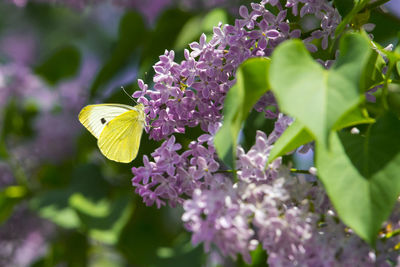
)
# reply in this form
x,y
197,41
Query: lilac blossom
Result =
x,y
191,93
242,214
18,82
19,48
23,238
6,175
254,204
169,177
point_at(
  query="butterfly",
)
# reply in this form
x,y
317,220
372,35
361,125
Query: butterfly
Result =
x,y
117,127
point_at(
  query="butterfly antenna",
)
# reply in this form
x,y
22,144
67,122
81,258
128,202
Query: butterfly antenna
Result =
x,y
128,94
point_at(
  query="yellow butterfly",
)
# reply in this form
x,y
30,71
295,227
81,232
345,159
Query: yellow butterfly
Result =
x,y
117,127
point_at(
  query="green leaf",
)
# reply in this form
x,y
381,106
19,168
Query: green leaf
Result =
x,y
105,223
132,33
318,98
394,99
181,254
53,205
67,247
64,63
382,33
372,74
354,117
293,137
163,37
6,206
146,232
344,6
212,18
197,25
296,134
258,258
189,33
251,84
99,208
18,120
397,51
361,175
358,6
256,121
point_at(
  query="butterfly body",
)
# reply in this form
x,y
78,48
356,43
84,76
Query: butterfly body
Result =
x,y
118,129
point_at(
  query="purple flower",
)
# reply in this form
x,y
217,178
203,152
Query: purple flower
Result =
x,y
197,47
248,19
191,93
267,100
6,175
19,48
215,216
23,238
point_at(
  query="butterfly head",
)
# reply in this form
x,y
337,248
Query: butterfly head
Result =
x,y
142,115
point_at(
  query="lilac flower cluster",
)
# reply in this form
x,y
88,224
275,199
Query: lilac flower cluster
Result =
x,y
174,176
221,213
192,93
271,208
238,210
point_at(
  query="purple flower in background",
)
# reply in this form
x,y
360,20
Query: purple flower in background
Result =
x,y
19,48
56,132
394,7
149,9
23,238
55,139
19,3
6,175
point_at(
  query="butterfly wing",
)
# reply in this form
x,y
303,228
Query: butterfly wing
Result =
x,y
96,117
120,138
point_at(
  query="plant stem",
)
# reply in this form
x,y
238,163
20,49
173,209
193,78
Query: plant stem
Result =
x,y
299,171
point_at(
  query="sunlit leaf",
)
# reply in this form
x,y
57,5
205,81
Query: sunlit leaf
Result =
x,y
251,84
296,134
108,221
293,137
318,98
53,205
361,177
197,25
358,6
